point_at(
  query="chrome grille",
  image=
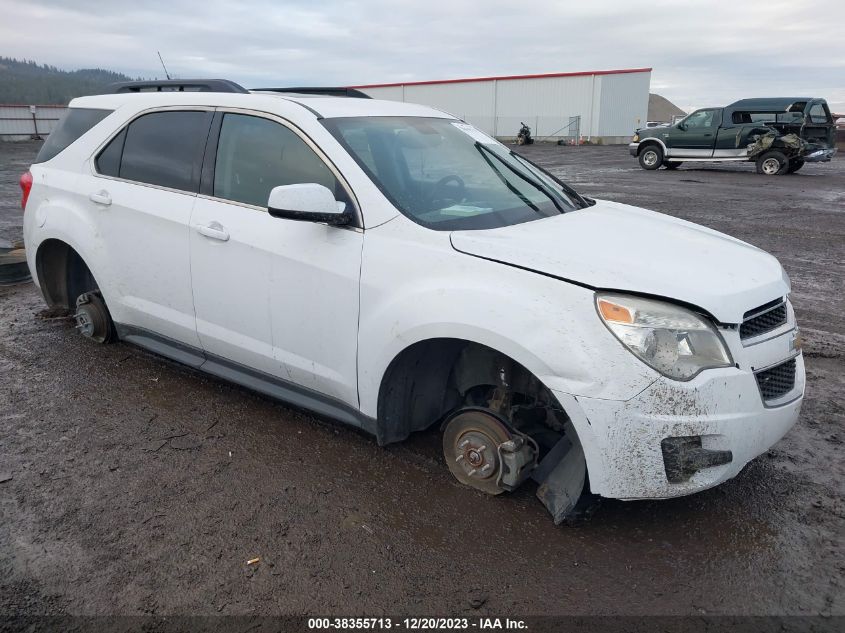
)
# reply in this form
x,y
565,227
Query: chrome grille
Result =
x,y
763,319
776,381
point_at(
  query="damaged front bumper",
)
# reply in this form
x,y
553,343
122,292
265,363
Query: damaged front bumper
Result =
x,y
677,438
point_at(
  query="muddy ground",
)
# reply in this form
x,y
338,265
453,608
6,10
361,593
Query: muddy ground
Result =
x,y
133,486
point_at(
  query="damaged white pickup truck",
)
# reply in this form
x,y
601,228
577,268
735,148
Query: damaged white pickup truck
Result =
x,y
389,266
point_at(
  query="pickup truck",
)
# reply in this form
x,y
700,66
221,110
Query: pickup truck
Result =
x,y
779,134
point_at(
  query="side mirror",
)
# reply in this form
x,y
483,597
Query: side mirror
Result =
x,y
307,202
682,126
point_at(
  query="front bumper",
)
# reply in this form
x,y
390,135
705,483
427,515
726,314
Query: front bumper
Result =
x,y
633,149
722,407
819,155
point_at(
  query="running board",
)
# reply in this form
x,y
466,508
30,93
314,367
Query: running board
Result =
x,y
676,159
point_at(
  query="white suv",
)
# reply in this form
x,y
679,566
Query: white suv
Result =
x,y
389,266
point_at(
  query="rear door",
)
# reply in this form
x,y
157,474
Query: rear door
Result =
x,y
143,190
695,136
275,295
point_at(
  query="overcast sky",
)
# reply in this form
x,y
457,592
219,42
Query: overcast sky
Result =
x,y
703,52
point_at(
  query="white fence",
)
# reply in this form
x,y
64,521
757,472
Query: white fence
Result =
x,y
23,122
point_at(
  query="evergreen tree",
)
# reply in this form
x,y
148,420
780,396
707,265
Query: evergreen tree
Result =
x,y
25,81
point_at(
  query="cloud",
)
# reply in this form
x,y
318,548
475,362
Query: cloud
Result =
x,y
703,51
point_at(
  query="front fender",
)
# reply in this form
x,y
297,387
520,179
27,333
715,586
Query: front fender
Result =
x,y
416,289
653,139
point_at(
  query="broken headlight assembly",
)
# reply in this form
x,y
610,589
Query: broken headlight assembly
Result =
x,y
673,340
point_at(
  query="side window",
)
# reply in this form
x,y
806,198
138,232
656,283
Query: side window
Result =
x,y
162,148
255,154
108,161
817,113
700,119
74,123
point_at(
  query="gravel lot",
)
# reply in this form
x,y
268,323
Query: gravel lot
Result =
x,y
133,486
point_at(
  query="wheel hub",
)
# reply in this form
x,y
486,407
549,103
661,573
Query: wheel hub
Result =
x,y
84,323
650,158
771,166
92,319
484,453
475,453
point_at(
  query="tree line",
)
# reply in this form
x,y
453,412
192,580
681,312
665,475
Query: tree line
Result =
x,y
27,82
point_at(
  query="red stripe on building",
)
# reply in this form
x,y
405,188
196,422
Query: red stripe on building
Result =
x,y
623,71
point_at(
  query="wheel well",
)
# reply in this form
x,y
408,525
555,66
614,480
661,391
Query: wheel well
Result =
x,y
429,379
648,143
62,274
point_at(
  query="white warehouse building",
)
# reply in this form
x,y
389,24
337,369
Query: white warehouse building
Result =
x,y
604,106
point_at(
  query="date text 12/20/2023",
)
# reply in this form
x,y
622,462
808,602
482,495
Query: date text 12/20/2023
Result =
x,y
417,624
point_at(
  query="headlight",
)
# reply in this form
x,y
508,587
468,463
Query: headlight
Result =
x,y
673,340
636,138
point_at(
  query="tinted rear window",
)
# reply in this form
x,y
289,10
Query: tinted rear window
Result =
x,y
74,123
164,148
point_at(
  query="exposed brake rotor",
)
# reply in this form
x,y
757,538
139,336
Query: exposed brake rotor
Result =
x,y
483,453
92,318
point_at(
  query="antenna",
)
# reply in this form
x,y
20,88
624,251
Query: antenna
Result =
x,y
167,74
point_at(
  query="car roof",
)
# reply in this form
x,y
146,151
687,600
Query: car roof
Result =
x,y
320,106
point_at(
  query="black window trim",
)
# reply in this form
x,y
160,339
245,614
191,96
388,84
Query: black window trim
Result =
x,y
206,187
195,177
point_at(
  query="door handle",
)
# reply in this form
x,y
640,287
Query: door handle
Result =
x,y
100,197
214,230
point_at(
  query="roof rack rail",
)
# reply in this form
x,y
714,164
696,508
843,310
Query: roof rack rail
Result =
x,y
328,92
176,85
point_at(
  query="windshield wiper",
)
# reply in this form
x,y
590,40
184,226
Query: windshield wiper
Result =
x,y
539,186
569,190
506,182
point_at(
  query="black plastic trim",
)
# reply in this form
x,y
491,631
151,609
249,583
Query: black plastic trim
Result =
x,y
269,385
210,156
352,93
176,85
684,456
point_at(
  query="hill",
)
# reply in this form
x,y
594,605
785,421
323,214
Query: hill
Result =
x,y
28,82
661,109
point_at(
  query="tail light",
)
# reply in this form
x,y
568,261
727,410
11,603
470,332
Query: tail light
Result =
x,y
26,187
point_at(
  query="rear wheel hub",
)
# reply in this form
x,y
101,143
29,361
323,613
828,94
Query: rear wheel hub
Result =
x,y
92,318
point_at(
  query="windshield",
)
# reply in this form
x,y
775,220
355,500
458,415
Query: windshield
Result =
x,y
446,175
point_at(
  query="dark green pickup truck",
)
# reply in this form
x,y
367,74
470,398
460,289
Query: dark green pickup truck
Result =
x,y
779,134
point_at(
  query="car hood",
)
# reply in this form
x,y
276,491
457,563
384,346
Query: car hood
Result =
x,y
614,246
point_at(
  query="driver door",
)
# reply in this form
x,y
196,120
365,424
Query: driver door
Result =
x,y
695,136
274,295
